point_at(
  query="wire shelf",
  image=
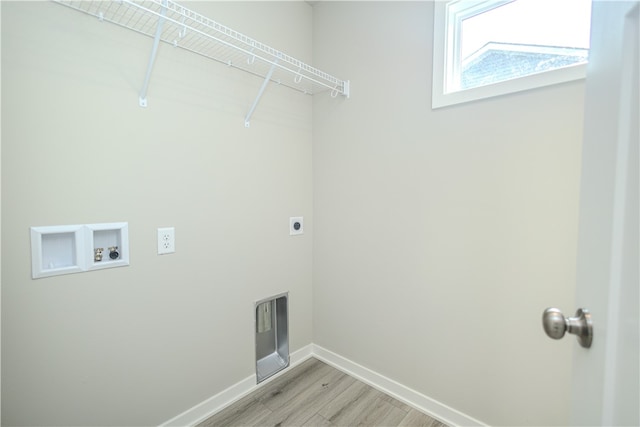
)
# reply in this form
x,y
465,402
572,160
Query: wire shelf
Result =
x,y
186,29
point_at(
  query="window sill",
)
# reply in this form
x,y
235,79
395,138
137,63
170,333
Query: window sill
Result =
x,y
547,78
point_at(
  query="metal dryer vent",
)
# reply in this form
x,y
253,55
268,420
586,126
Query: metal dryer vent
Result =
x,y
272,336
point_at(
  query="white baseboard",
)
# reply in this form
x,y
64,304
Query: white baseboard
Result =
x,y
429,406
214,404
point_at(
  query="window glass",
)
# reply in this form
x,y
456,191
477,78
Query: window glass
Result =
x,y
485,48
520,38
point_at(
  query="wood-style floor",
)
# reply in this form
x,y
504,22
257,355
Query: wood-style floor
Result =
x,y
316,394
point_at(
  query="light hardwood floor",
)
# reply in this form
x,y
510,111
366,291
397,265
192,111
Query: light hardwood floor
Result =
x,y
316,394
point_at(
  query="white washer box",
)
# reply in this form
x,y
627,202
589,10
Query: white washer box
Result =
x,y
66,249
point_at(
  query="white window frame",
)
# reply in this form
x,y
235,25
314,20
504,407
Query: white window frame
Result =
x,y
447,19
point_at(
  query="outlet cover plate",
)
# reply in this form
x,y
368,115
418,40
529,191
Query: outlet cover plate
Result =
x,y
296,225
166,240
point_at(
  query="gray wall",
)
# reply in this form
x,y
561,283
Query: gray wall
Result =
x,y
139,345
440,236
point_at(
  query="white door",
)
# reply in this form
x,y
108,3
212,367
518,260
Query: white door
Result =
x,y
605,376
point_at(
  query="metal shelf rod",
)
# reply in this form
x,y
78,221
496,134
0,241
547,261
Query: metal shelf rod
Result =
x,y
247,119
152,58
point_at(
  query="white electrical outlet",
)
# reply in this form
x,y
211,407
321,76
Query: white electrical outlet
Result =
x,y
296,225
166,240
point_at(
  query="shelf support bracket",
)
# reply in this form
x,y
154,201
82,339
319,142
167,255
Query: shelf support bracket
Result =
x,y
247,119
152,58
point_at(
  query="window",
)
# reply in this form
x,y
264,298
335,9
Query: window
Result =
x,y
485,48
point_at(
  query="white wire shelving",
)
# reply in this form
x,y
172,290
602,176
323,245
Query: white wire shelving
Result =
x,y
168,22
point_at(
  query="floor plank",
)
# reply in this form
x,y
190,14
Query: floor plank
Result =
x,y
418,419
382,414
316,421
316,394
351,406
247,412
289,388
306,404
